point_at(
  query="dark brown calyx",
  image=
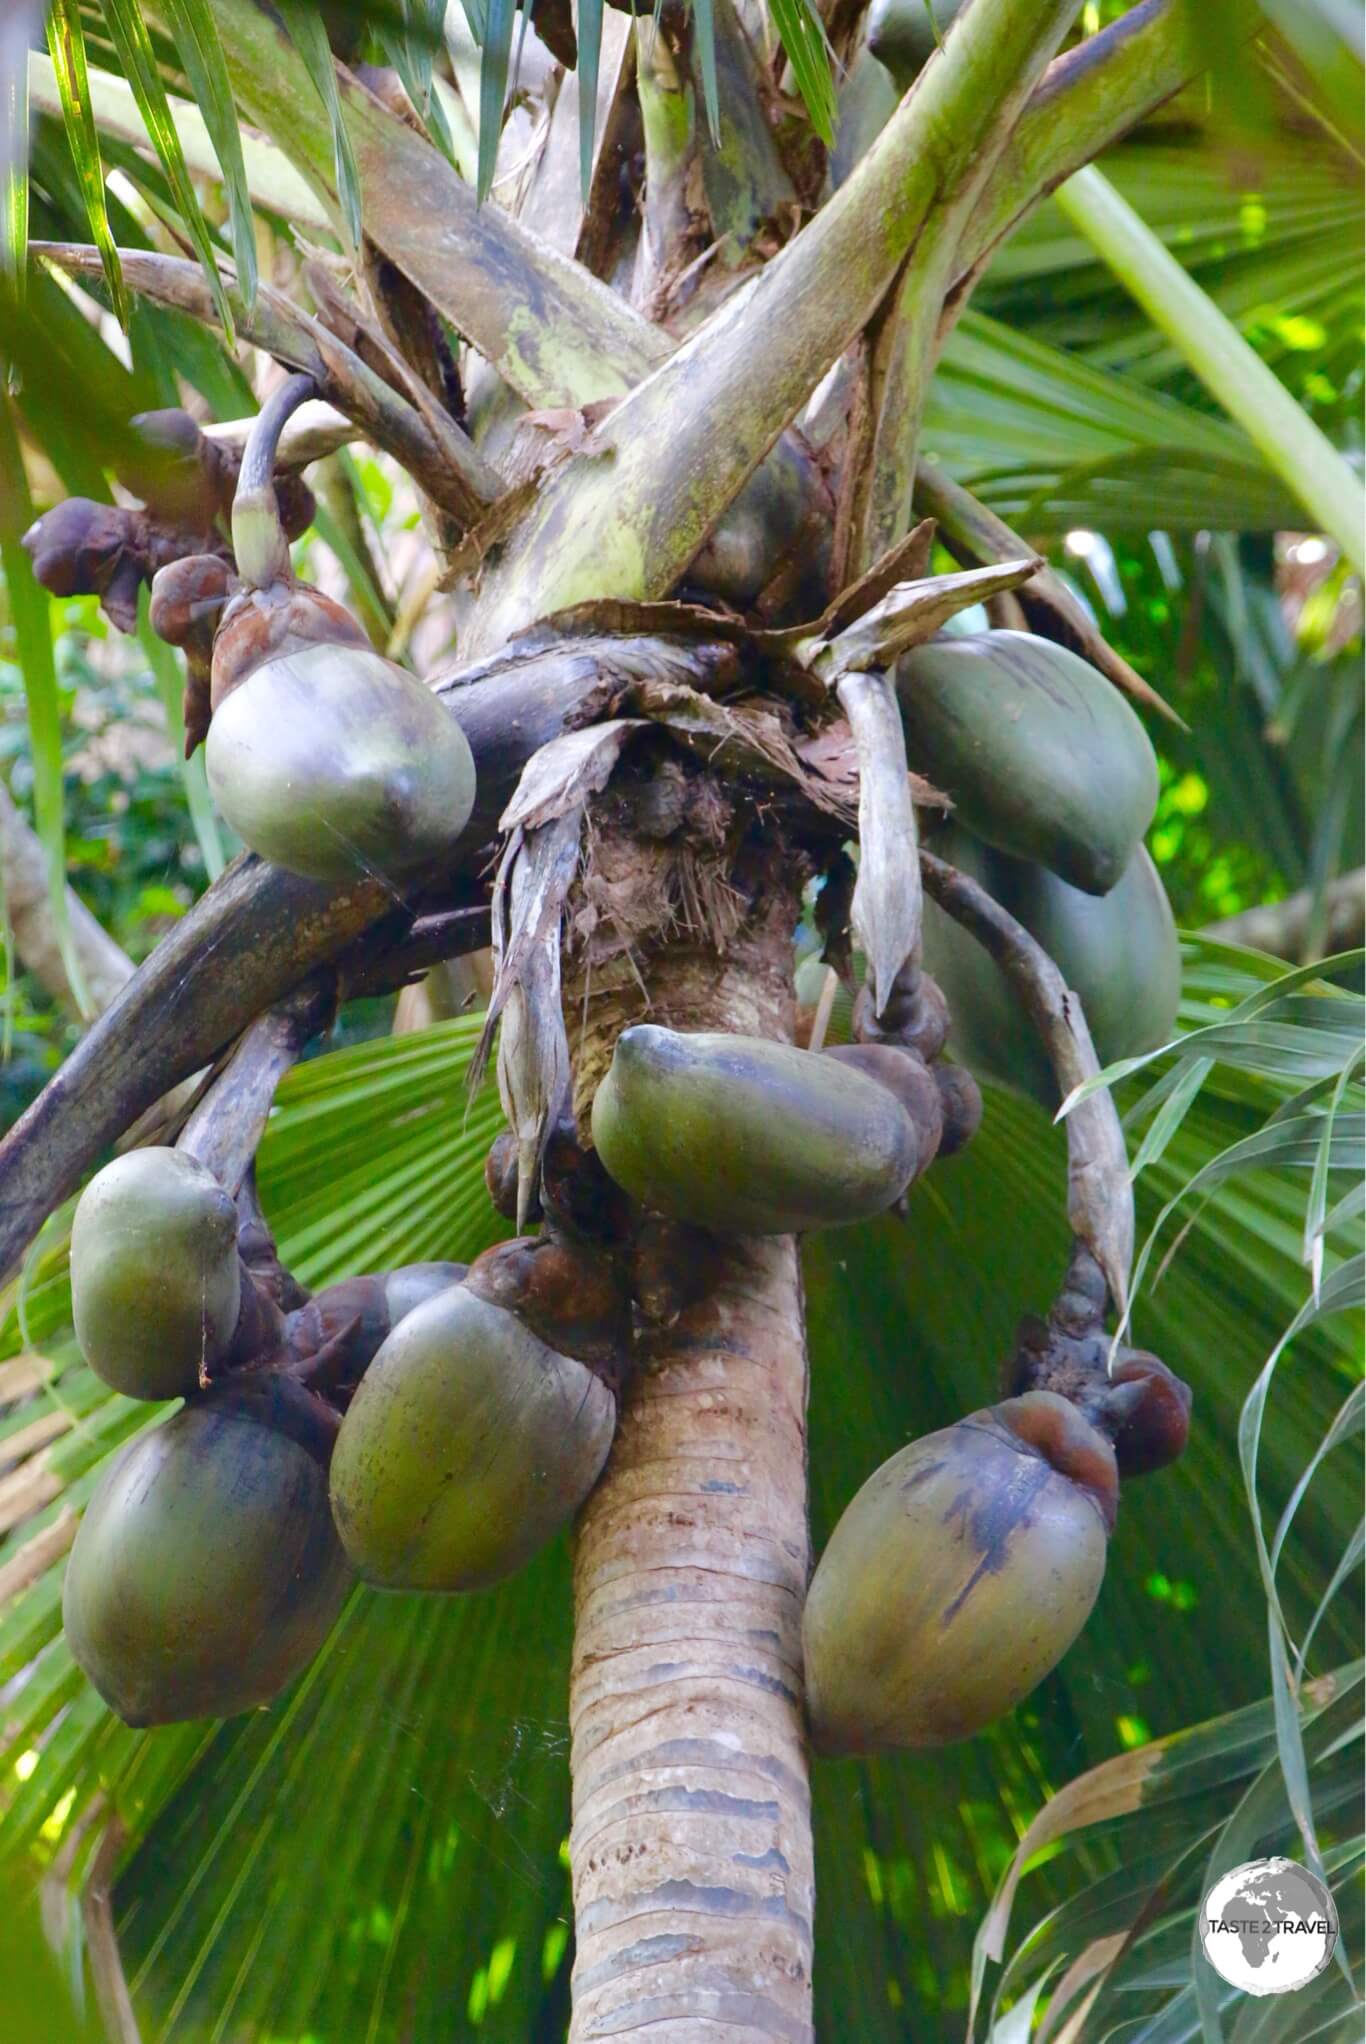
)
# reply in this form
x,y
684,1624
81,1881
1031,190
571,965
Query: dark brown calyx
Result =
x,y
576,1192
260,1327
916,1015
1139,1404
569,1295
331,1342
188,600
81,548
1054,1428
186,478
269,624
189,597
671,1267
907,1078
182,478
1146,1411
960,1101
286,1405
186,481
500,1176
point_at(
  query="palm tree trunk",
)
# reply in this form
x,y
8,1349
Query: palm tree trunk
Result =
x,y
691,1845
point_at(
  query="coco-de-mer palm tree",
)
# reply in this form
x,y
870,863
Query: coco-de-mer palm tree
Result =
x,y
679,495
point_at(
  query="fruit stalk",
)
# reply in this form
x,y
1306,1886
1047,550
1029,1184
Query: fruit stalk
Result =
x,y
225,1128
258,536
1100,1199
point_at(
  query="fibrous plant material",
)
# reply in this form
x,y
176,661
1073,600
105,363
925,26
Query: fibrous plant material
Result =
x,y
747,1137
206,1572
1040,755
467,1446
958,1576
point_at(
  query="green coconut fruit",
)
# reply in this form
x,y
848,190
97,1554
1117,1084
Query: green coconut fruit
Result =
x,y
331,761
1043,757
206,1571
748,1137
155,1278
467,1446
904,34
1119,952
958,1576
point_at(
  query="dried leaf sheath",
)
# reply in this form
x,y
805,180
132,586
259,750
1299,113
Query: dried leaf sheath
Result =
x,y
886,911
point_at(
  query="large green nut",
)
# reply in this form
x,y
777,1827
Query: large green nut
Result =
x,y
747,1137
155,1278
206,1572
904,34
958,1576
468,1445
331,762
1120,952
1042,756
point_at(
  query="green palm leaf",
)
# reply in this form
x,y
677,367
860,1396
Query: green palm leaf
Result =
x,y
1051,442
202,55
138,60
309,35
66,41
445,1718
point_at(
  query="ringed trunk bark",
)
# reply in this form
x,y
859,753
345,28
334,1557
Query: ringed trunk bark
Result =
x,y
691,1848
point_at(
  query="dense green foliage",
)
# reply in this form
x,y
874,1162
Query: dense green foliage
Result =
x,y
380,1854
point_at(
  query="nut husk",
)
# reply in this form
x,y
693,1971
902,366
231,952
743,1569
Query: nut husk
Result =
x,y
469,1443
331,761
1043,757
155,1278
743,1136
958,1576
206,1572
908,1079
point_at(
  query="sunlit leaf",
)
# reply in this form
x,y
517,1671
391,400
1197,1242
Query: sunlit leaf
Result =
x,y
129,30
495,52
21,19
66,42
803,37
202,55
309,35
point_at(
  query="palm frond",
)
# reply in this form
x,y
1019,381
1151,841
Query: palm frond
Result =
x,y
1181,1812
133,43
66,41
445,1717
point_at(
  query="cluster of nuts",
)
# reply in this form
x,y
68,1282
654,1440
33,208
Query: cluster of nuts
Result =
x,y
430,1428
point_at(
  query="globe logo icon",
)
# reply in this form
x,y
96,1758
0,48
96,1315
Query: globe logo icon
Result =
x,y
1269,1926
